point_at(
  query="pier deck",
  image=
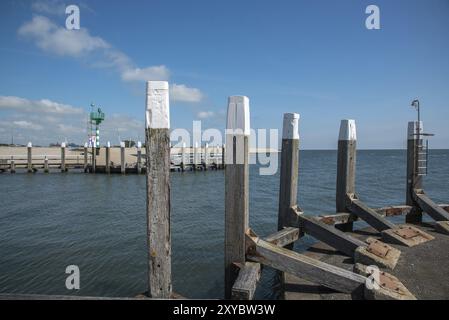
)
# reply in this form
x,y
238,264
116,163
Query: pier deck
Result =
x,y
422,269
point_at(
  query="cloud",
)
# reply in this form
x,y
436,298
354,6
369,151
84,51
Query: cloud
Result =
x,y
57,40
53,7
145,74
27,125
205,114
37,106
180,92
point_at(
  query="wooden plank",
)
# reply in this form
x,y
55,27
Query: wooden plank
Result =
x,y
330,235
346,164
369,215
284,237
236,187
288,189
158,189
304,267
431,208
246,283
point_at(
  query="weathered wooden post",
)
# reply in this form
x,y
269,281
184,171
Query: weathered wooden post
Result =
x,y
236,187
158,189
288,189
94,158
346,157
139,157
86,154
13,165
206,156
414,180
63,168
122,158
46,164
108,158
195,156
223,147
29,158
183,156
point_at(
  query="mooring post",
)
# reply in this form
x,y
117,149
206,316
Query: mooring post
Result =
x,y
206,156
108,158
183,156
158,189
46,164
122,157
288,189
94,158
223,147
195,156
414,180
63,168
139,157
346,158
30,158
13,165
236,187
85,156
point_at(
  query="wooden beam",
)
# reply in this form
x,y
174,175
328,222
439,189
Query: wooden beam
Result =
x,y
367,214
246,283
431,208
158,189
330,235
236,187
284,237
302,266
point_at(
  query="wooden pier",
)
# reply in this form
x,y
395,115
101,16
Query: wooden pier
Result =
x,y
385,261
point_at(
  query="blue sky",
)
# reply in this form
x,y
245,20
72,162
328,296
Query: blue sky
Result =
x,y
312,57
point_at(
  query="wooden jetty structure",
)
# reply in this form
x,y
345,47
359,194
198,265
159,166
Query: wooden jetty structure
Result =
x,y
377,262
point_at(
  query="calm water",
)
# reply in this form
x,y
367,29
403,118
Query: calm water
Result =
x,y
98,222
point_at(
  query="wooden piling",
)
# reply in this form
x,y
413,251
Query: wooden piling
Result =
x,y
63,167
94,158
414,181
85,156
183,157
139,157
206,156
288,188
236,187
46,164
346,159
158,189
223,147
122,157
12,168
29,157
108,158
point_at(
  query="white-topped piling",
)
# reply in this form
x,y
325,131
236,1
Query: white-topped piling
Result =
x,y
122,158
63,166
139,157
29,157
108,158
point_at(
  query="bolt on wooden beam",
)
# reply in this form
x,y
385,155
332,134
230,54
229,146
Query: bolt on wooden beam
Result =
x,y
236,187
158,189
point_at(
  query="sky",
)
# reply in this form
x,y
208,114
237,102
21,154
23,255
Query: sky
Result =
x,y
316,58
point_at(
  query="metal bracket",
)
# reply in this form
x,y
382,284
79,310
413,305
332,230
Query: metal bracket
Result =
x,y
378,248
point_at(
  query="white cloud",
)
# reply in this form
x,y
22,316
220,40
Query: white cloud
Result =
x,y
36,106
205,114
58,40
145,74
180,92
27,125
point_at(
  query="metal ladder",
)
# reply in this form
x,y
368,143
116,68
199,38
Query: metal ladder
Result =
x,y
422,157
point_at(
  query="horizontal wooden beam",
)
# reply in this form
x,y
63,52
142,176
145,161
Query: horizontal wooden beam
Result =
x,y
284,237
302,266
246,283
431,208
369,215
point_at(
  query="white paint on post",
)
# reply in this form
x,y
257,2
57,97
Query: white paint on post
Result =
x,y
108,144
290,128
29,145
139,144
347,130
158,105
237,127
414,128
